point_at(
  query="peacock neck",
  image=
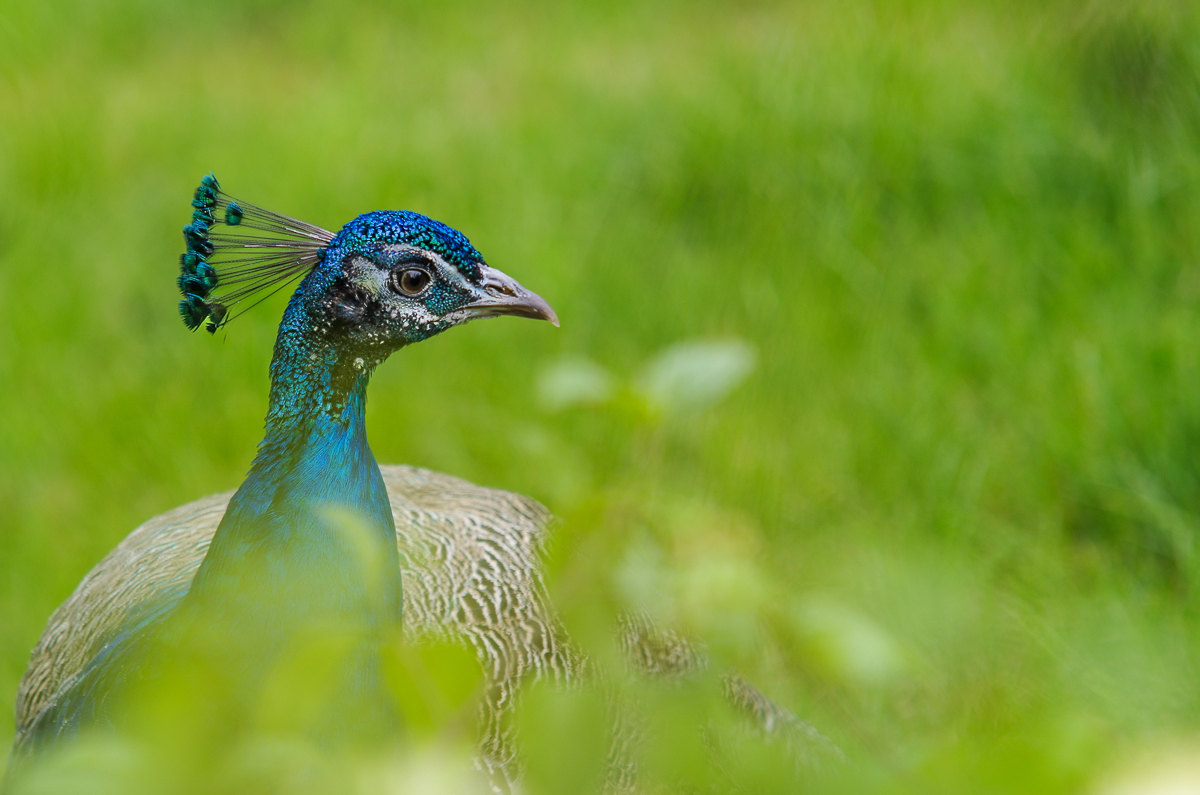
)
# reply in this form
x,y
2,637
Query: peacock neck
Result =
x,y
316,433
313,510
306,551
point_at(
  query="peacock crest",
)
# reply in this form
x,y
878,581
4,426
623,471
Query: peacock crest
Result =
x,y
257,250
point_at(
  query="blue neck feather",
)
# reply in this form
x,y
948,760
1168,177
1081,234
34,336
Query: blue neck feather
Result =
x,y
308,541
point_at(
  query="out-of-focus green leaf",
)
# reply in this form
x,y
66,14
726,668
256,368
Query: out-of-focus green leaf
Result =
x,y
436,686
694,375
573,382
845,643
565,735
424,768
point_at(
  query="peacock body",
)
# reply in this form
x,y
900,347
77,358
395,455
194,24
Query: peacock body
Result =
x,y
319,537
307,545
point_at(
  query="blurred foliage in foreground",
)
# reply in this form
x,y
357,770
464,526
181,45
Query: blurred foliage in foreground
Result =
x,y
950,516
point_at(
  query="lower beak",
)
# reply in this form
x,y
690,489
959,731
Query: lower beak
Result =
x,y
505,296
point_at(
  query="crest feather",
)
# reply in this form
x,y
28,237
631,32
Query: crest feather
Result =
x,y
257,250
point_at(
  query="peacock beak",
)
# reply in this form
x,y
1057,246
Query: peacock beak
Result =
x,y
503,295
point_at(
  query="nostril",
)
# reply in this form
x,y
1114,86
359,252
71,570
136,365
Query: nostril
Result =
x,y
501,287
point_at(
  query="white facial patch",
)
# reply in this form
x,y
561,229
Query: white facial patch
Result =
x,y
366,274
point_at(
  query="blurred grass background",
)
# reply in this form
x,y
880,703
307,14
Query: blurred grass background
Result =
x,y
950,516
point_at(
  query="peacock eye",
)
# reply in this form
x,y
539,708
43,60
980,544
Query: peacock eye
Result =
x,y
410,281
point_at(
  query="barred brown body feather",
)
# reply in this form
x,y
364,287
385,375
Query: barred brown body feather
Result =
x,y
471,565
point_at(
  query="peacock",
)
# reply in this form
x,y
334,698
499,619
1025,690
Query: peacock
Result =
x,y
319,537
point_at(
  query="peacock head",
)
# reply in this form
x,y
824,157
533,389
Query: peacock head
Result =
x,y
397,277
387,279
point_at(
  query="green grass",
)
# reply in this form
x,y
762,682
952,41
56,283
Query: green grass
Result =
x,y
950,517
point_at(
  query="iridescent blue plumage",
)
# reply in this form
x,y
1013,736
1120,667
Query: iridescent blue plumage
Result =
x,y
388,226
308,541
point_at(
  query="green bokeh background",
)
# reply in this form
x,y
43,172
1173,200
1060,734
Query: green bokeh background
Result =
x,y
949,518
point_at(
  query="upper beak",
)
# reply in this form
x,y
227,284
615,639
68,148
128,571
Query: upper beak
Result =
x,y
505,296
